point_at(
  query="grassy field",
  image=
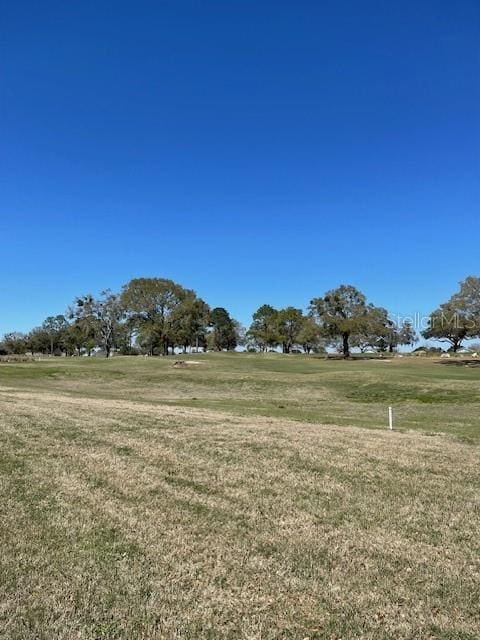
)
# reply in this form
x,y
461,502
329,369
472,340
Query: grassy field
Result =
x,y
239,498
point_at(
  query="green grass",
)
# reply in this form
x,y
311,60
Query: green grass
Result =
x,y
433,396
241,498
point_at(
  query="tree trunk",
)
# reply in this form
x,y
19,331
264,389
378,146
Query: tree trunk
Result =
x,y
346,348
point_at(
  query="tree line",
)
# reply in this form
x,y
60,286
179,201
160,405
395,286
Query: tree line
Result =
x,y
342,319
149,315
157,316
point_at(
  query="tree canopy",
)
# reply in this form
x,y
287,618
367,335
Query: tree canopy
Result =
x,y
459,317
263,332
340,313
224,331
158,316
150,303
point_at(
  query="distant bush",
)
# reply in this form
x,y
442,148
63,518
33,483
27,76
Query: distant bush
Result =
x,y
14,357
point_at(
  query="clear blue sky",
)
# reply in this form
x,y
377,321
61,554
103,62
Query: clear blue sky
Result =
x,y
254,151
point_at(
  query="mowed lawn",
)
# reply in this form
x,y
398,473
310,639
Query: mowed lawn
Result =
x,y
247,496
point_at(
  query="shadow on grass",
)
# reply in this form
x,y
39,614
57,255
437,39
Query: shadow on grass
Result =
x,y
460,363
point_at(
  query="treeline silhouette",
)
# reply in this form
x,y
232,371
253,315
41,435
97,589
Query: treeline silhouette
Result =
x,y
157,316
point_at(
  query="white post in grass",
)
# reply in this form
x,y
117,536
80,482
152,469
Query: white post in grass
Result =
x,y
390,418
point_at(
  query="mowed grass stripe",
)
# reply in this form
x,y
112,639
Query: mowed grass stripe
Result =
x,y
306,530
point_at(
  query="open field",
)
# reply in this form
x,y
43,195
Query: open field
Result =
x,y
432,396
239,498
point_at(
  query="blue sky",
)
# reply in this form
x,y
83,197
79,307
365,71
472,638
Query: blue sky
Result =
x,y
254,151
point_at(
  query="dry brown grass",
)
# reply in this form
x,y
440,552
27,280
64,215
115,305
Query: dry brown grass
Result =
x,y
124,519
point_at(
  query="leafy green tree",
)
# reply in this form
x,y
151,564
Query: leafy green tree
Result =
x,y
39,341
263,332
394,335
378,331
372,332
468,300
55,328
124,338
341,312
406,334
84,318
75,339
310,336
445,324
189,322
15,342
147,338
150,303
223,333
289,322
459,317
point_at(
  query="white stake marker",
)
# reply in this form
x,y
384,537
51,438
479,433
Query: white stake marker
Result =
x,y
390,418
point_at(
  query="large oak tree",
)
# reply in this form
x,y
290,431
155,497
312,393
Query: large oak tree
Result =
x,y
151,303
340,313
264,331
459,317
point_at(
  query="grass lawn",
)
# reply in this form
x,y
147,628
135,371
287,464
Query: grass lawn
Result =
x,y
240,498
